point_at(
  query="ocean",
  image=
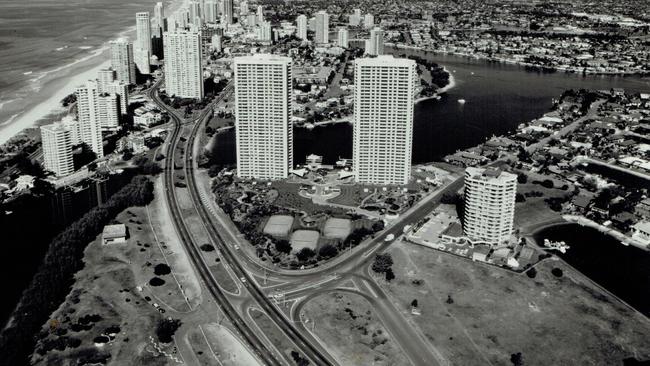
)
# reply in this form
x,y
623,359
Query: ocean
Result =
x,y
46,46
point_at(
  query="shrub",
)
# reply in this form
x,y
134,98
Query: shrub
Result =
x,y
304,254
557,272
166,328
328,251
382,263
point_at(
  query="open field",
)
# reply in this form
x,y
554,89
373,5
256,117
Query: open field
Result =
x,y
347,326
278,225
534,209
304,239
477,315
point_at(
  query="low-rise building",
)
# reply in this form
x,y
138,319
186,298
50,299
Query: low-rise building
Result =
x,y
114,234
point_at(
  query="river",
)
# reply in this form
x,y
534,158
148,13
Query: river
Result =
x,y
498,98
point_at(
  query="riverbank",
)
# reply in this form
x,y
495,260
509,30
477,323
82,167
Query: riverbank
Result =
x,y
444,89
619,270
511,61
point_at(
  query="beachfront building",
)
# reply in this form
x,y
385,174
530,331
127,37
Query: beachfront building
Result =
x,y
57,149
322,27
90,129
343,37
368,21
489,205
157,30
142,47
355,18
122,60
228,17
108,111
195,12
210,12
107,83
375,45
383,119
121,90
301,30
183,70
243,8
105,77
260,14
264,32
264,133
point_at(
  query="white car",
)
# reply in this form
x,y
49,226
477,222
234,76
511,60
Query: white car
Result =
x,y
389,237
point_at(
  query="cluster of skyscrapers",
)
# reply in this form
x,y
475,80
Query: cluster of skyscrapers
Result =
x,y
383,118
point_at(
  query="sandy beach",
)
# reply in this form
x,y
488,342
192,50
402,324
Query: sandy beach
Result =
x,y
62,81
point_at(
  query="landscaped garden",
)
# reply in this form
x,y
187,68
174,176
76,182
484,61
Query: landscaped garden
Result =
x,y
286,228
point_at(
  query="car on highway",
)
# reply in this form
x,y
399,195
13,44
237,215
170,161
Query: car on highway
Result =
x,y
389,237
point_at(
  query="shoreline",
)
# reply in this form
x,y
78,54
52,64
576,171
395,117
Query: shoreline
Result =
x,y
452,84
64,80
559,69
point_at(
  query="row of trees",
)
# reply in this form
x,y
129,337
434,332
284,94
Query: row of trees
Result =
x,y
55,276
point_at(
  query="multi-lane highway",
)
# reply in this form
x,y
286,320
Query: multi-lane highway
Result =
x,y
250,337
303,342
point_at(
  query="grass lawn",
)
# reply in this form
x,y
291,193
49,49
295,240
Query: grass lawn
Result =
x,y
495,313
219,346
288,197
347,326
352,195
534,210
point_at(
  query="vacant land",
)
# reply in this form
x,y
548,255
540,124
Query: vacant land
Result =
x,y
346,324
477,315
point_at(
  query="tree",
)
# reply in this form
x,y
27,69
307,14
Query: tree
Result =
x,y
450,198
328,251
557,272
390,275
517,359
166,328
522,178
305,253
382,263
283,246
531,273
414,303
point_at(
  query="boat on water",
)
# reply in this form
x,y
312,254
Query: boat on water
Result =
x,y
462,101
560,246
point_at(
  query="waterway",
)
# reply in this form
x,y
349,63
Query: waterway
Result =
x,y
623,270
498,98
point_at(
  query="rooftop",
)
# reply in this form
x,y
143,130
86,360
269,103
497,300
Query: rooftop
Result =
x,y
114,231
